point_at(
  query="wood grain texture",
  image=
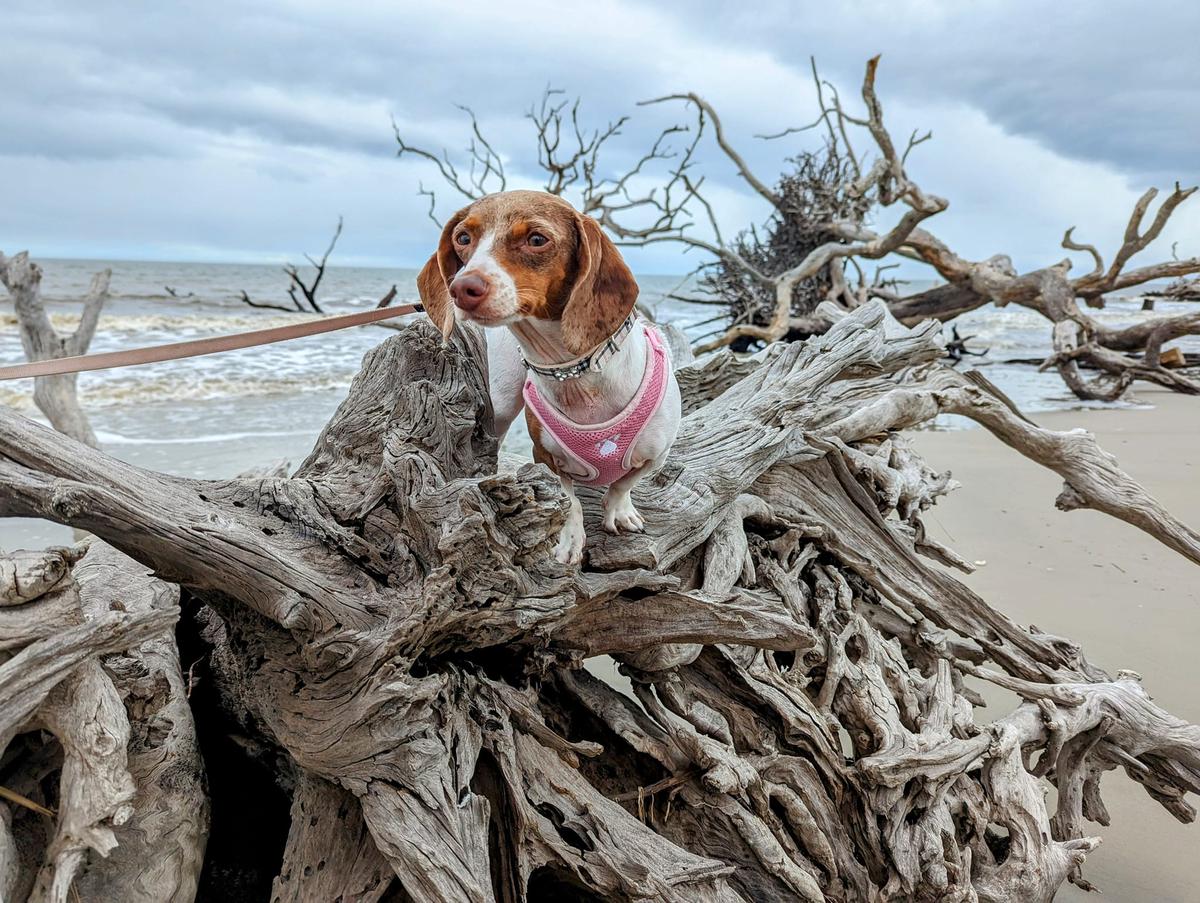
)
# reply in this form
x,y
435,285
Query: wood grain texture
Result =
x,y
91,662
799,724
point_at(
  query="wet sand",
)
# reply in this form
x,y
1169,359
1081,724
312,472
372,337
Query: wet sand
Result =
x,y
1126,599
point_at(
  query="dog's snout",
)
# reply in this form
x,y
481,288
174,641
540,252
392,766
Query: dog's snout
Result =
x,y
469,290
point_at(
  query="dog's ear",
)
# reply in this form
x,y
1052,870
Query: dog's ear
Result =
x,y
433,282
604,292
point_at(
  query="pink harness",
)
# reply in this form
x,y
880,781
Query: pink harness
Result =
x,y
604,449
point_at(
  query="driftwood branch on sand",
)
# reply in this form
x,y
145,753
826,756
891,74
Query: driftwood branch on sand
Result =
x,y
391,622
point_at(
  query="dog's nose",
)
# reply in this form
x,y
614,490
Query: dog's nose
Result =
x,y
469,290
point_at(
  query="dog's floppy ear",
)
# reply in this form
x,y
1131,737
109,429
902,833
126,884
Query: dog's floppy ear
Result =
x,y
604,292
433,282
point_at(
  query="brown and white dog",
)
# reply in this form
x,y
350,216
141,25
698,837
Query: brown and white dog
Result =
x,y
528,261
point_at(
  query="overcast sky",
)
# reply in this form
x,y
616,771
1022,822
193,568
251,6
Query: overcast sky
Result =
x,y
240,131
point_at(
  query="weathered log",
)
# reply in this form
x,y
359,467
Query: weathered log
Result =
x,y
329,855
160,849
1179,290
93,663
391,620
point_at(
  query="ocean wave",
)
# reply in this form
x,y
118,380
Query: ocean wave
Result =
x,y
179,387
233,300
107,438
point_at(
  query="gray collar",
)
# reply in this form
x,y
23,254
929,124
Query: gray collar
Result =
x,y
590,362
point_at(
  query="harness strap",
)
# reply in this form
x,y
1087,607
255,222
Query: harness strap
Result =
x,y
604,451
214,345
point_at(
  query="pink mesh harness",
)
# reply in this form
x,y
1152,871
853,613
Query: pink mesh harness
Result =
x,y
604,449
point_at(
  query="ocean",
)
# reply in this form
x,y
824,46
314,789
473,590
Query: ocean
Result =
x,y
219,415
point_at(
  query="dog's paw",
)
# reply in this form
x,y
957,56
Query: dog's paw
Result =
x,y
570,544
622,517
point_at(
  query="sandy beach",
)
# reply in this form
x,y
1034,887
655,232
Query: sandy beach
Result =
x,y
1130,602
1127,600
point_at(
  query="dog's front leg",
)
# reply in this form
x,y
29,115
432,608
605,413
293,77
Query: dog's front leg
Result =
x,y
570,541
620,516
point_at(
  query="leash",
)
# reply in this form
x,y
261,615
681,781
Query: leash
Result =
x,y
153,354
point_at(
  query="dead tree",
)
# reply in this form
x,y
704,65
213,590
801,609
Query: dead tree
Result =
x,y
1121,355
391,621
815,246
569,155
297,284
57,397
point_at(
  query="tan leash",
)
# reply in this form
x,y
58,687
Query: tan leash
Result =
x,y
214,345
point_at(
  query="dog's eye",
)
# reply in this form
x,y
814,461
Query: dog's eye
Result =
x,y
538,240
463,238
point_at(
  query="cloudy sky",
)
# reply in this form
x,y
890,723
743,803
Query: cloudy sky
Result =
x,y
240,131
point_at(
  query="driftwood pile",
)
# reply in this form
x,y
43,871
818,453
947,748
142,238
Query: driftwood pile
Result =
x,y
88,656
389,624
1117,357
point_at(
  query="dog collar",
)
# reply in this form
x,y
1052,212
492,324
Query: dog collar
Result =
x,y
590,362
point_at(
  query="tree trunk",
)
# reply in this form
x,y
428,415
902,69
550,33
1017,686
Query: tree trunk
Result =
x,y
55,396
392,621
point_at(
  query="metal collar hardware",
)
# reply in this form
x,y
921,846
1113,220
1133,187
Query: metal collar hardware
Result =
x,y
592,362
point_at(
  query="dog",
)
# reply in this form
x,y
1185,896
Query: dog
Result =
x,y
565,344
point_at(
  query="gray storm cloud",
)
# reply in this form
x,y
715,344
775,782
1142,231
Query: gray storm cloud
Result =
x,y
238,131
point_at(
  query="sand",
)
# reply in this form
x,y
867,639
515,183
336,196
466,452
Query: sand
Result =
x,y
1130,602
1127,600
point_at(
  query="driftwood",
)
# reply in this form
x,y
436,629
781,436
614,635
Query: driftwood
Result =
x,y
296,284
808,264
1179,290
1122,355
568,153
390,622
87,654
56,396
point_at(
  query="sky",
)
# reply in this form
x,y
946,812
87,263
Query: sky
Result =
x,y
241,131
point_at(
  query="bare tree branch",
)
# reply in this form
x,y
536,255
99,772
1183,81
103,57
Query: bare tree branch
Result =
x,y
719,132
888,179
309,289
484,167
266,305
1072,245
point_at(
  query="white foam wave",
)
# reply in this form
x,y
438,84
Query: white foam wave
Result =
x,y
107,438
167,388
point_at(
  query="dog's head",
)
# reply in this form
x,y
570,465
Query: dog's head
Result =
x,y
528,254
